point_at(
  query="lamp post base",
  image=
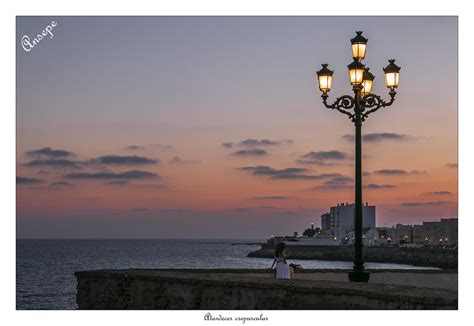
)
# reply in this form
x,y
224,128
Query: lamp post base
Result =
x,y
359,276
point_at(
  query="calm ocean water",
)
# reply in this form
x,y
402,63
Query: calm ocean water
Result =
x,y
45,268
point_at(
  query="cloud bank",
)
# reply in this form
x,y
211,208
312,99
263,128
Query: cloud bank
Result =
x,y
250,142
250,152
324,158
124,160
378,137
134,174
28,181
287,173
49,152
426,203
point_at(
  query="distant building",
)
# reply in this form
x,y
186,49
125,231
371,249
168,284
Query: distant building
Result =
x,y
440,233
370,237
340,220
398,234
337,228
326,223
450,226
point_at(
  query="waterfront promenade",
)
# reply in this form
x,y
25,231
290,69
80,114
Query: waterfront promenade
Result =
x,y
259,289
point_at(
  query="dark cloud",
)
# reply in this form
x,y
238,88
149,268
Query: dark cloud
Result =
x,y
322,157
266,170
62,184
399,172
366,173
42,172
315,162
340,180
294,176
250,152
287,173
28,181
134,148
426,203
179,160
349,137
438,193
264,142
391,172
227,145
271,198
255,142
55,163
134,174
418,172
49,152
124,160
326,155
250,142
377,186
377,137
103,160
452,165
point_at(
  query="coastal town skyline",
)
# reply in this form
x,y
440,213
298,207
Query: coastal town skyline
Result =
x,y
213,127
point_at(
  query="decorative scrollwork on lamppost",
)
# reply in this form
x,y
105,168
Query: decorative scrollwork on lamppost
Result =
x,y
357,108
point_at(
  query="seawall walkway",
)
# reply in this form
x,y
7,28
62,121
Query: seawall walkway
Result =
x,y
258,289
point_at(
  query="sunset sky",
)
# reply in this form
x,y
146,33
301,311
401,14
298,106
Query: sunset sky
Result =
x,y
213,127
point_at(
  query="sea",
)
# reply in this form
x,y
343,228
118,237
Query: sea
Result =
x,y
45,268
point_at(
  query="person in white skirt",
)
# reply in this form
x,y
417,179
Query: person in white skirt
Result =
x,y
282,267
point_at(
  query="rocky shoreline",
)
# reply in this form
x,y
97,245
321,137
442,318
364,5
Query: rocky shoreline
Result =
x,y
425,257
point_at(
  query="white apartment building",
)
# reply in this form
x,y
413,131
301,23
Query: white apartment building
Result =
x,y
342,219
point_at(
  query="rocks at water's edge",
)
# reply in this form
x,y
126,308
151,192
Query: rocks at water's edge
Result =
x,y
427,257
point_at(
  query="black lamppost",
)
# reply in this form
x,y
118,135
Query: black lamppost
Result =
x,y
358,108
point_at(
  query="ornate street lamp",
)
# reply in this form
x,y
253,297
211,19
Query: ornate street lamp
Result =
x,y
356,73
359,45
325,79
367,81
391,75
358,108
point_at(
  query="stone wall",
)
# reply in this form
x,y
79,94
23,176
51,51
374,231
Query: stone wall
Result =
x,y
429,257
244,289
